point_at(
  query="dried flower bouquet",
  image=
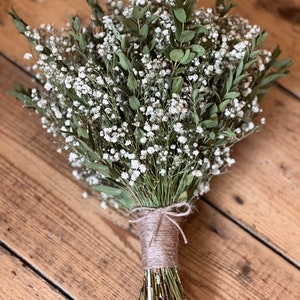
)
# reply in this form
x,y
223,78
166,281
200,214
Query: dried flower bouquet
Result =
x,y
149,100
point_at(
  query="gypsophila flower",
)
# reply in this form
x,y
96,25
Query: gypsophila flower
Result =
x,y
134,101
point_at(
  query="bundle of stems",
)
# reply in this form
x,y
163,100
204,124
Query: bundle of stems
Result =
x,y
148,100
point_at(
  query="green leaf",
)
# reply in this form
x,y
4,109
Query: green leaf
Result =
x,y
199,29
186,56
229,82
132,82
97,12
176,55
82,42
231,95
180,15
129,23
118,194
213,109
109,190
143,11
238,79
146,50
177,84
195,118
124,61
254,53
239,69
102,169
270,78
284,63
229,133
76,23
189,180
116,32
209,123
198,49
222,106
82,132
135,11
189,59
22,95
182,198
249,63
19,23
205,107
144,31
212,122
134,102
86,150
189,7
195,94
186,36
261,38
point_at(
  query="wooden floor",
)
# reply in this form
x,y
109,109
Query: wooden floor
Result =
x,y
244,241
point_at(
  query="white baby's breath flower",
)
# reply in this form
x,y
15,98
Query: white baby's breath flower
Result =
x,y
182,139
39,48
28,56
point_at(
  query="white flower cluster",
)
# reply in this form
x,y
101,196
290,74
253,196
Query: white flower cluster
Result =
x,y
125,112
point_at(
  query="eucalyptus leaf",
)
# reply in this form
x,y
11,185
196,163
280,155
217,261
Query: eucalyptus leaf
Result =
x,y
88,151
188,59
102,169
177,84
222,106
143,11
134,102
186,36
132,82
180,15
144,31
128,23
82,132
229,133
229,81
176,55
124,61
232,95
198,49
270,78
210,123
239,69
186,56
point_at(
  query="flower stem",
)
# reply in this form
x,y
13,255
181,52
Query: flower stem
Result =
x,y
161,284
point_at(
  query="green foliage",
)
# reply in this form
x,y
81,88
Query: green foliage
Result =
x,y
146,90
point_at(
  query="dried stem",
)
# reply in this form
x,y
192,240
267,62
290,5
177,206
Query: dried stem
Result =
x,y
161,284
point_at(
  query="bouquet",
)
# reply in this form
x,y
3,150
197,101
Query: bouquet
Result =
x,y
148,100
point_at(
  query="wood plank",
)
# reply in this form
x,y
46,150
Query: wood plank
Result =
x,y
89,258
44,219
262,190
19,282
279,18
275,146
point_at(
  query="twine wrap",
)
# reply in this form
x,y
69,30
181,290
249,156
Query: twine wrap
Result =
x,y
159,230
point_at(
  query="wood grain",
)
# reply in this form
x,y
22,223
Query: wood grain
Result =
x,y
20,283
90,258
68,239
262,190
279,18
247,247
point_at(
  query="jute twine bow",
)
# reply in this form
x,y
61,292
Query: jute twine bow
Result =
x,y
159,230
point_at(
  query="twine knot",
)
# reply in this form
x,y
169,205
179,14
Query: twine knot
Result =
x,y
159,230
